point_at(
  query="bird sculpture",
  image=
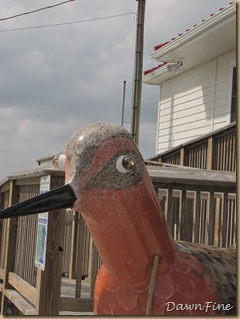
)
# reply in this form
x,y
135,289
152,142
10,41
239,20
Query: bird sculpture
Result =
x,y
144,271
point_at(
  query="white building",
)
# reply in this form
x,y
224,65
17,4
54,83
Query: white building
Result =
x,y
202,96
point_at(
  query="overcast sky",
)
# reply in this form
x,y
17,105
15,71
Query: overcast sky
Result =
x,y
54,80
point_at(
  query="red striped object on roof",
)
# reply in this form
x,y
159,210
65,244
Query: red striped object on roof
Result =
x,y
158,46
153,69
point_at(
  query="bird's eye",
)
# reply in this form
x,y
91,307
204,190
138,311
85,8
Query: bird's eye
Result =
x,y
125,164
59,161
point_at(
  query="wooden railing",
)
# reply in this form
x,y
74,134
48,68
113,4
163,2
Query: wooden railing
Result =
x,y
214,151
25,288
199,205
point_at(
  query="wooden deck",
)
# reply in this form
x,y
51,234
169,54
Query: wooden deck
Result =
x,y
69,301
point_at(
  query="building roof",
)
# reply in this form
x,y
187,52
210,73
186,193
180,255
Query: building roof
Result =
x,y
44,167
213,36
47,158
35,171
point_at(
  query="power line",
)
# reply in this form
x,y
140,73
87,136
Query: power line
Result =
x,y
33,11
66,23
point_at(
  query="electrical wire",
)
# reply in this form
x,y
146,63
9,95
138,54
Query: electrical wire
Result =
x,y
66,23
37,10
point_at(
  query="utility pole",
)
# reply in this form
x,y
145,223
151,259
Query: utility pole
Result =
x,y
138,69
123,103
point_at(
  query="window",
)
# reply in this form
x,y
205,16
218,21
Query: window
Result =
x,y
234,97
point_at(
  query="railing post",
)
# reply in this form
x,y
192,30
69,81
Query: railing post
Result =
x,y
217,227
182,156
211,219
210,153
73,246
80,255
49,281
170,216
186,224
183,216
10,248
197,217
224,220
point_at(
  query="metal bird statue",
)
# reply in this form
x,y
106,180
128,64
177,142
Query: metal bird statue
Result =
x,y
144,270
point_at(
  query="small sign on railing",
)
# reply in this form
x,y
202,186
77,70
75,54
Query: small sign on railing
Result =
x,y
41,242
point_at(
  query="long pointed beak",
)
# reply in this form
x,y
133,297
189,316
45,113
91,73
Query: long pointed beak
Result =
x,y
61,197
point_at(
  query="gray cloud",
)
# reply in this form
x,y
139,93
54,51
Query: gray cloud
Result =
x,y
55,80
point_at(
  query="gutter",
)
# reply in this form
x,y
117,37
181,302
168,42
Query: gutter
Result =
x,y
156,73
197,32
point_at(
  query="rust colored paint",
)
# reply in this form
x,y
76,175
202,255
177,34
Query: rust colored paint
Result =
x,y
128,226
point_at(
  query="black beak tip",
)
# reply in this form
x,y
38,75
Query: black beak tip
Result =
x,y
59,198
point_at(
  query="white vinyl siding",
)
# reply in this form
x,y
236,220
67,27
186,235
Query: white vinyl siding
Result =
x,y
222,107
195,102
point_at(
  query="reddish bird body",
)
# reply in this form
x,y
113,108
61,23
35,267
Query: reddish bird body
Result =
x,y
108,183
123,215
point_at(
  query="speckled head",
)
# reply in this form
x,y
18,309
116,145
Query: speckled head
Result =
x,y
98,156
102,155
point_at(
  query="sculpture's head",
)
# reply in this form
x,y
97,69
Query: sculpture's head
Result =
x,y
98,156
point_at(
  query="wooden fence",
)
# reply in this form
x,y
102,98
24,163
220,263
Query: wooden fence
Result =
x,y
199,205
26,289
214,151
